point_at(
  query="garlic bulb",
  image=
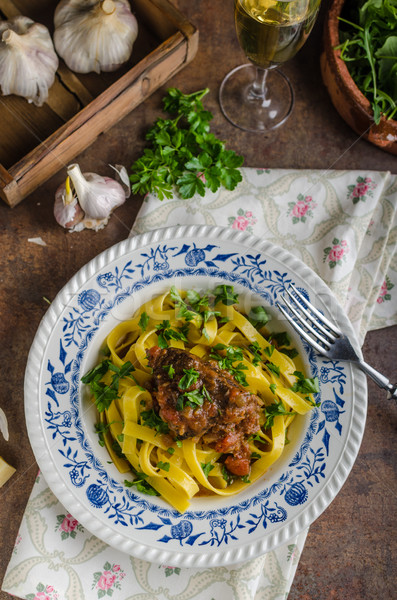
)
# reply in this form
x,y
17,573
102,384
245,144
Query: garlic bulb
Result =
x,y
94,35
4,425
91,202
28,61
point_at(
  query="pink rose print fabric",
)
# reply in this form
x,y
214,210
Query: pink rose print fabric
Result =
x,y
68,526
336,254
384,294
243,221
301,209
360,190
108,580
43,592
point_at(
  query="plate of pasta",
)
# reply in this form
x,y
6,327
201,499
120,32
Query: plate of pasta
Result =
x,y
176,414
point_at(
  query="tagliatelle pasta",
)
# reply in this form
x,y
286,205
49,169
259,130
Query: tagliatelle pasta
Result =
x,y
195,397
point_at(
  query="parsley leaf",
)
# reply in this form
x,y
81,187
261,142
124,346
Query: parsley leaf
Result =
x,y
258,316
225,294
207,468
154,421
141,485
105,394
144,321
170,370
274,410
184,153
189,378
305,385
227,362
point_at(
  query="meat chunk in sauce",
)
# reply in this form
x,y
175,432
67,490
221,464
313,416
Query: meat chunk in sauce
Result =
x,y
224,415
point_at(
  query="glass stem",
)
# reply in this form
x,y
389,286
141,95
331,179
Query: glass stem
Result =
x,y
258,87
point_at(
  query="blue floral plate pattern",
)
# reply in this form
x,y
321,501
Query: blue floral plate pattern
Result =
x,y
60,418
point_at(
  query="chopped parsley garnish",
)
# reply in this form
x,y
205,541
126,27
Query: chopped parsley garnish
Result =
x,y
165,466
189,378
225,294
166,333
272,387
269,350
305,385
291,352
169,370
195,307
193,399
281,338
104,394
141,485
144,321
258,316
274,410
273,368
228,362
255,349
152,420
207,468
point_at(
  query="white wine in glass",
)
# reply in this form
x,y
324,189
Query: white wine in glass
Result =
x,y
256,96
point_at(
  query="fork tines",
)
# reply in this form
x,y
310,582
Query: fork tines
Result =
x,y
307,319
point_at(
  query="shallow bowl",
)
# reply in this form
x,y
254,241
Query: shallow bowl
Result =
x,y
60,418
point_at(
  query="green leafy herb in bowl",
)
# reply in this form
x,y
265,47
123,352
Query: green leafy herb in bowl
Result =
x,y
368,35
184,154
366,103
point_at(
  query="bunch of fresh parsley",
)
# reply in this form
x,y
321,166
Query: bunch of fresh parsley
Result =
x,y
184,154
369,48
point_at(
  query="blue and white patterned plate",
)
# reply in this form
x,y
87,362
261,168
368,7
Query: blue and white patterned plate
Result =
x,y
60,418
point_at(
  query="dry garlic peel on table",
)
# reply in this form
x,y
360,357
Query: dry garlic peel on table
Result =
x,y
86,200
94,35
28,61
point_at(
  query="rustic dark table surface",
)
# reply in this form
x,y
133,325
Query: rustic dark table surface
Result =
x,y
350,552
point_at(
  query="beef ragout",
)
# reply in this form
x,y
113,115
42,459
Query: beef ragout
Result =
x,y
199,400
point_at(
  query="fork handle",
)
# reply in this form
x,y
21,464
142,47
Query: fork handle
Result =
x,y
379,379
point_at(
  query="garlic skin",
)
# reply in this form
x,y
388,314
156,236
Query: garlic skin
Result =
x,y
91,204
28,61
67,213
94,35
4,425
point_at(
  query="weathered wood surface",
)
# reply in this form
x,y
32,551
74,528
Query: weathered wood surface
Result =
x,y
350,552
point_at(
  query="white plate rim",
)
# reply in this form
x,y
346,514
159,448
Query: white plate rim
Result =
x,y
228,555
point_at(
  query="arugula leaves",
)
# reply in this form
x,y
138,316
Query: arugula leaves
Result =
x,y
369,48
184,153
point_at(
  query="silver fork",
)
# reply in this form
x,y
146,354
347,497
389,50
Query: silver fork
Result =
x,y
325,337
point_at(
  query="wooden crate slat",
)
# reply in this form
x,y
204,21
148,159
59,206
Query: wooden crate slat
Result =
x,y
79,115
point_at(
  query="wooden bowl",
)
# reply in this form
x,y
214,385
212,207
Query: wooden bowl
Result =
x,y
348,100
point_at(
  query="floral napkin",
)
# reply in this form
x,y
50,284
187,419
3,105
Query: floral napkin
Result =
x,y
343,224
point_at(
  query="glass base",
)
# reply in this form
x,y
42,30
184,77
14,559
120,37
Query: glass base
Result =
x,y
249,110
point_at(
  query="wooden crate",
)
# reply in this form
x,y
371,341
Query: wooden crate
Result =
x,y
36,142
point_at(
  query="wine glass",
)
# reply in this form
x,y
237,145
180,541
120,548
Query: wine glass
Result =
x,y
257,96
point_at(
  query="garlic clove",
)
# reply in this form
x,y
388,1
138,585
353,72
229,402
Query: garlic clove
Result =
x,y
89,202
94,35
68,213
28,61
98,196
